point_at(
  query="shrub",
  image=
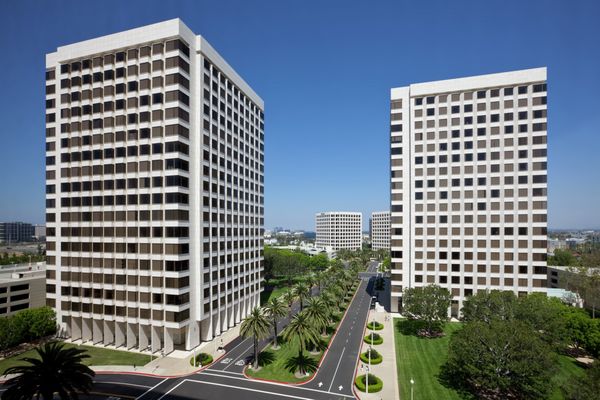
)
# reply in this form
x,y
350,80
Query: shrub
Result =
x,y
376,358
377,339
202,359
374,325
375,383
26,325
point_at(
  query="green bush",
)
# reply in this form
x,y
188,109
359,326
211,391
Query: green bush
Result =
x,y
26,325
375,383
377,339
376,358
202,359
374,325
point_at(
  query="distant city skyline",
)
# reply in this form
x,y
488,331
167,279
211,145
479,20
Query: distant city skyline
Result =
x,y
325,71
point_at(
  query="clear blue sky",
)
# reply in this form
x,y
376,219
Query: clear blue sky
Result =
x,y
324,69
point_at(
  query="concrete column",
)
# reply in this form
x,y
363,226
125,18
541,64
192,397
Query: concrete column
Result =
x,y
97,331
144,337
75,328
131,332
109,332
156,339
86,329
192,335
206,331
120,335
230,316
168,346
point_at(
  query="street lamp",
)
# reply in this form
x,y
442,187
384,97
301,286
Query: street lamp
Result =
x,y
367,377
412,392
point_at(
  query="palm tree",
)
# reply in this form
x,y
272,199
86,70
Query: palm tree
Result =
x,y
303,331
275,309
56,369
255,325
303,292
289,297
318,313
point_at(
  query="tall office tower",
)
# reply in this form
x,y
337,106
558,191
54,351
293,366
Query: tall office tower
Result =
x,y
339,230
468,185
380,230
154,200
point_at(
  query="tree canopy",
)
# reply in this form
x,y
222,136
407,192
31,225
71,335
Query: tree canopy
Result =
x,y
428,304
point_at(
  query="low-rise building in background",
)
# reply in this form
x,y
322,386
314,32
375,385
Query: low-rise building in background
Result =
x,y
22,286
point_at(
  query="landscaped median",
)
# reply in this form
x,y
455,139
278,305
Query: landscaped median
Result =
x,y
375,384
282,364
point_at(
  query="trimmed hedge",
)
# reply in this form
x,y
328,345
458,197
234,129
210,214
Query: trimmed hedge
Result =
x,y
374,325
376,358
375,383
202,359
377,339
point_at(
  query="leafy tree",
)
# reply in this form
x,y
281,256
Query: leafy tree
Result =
x,y
502,359
545,315
318,313
428,304
582,331
386,264
275,309
302,292
562,258
302,330
586,282
256,325
487,306
56,369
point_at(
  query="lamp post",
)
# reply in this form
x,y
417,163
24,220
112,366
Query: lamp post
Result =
x,y
367,377
412,392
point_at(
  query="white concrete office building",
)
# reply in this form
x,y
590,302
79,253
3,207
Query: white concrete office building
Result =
x,y
380,230
154,196
339,230
468,185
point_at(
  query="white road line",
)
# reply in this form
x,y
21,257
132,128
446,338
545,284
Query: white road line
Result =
x,y
267,383
149,390
221,371
170,390
123,383
233,361
336,369
247,389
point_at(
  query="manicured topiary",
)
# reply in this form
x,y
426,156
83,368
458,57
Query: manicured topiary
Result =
x,y
202,359
376,358
375,383
377,339
374,325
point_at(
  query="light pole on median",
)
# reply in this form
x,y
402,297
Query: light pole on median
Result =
x,y
368,368
412,392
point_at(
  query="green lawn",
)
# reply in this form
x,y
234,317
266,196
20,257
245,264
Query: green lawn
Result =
x,y
99,356
266,295
421,359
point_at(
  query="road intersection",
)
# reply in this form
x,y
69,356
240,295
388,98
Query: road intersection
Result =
x,y
225,379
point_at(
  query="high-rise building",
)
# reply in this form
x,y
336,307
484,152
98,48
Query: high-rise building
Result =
x,y
468,185
380,230
154,196
15,232
339,230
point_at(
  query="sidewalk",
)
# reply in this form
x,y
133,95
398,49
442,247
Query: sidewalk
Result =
x,y
387,369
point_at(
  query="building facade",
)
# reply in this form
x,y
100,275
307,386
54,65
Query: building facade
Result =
x,y
154,195
468,185
380,230
339,230
15,232
22,286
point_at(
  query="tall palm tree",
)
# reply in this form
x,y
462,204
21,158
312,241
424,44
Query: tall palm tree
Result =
x,y
256,325
303,292
318,313
56,369
289,297
275,309
303,331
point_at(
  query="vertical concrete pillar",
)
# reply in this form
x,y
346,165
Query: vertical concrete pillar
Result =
x,y
132,335
144,337
75,328
120,334
156,339
206,330
168,345
86,329
109,332
192,335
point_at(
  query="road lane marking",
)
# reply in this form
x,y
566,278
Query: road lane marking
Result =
x,y
246,389
336,368
149,390
170,390
123,383
238,358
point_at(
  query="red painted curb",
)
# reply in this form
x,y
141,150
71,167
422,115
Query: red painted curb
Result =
x,y
320,361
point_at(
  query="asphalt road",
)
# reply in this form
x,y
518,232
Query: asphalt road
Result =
x,y
224,380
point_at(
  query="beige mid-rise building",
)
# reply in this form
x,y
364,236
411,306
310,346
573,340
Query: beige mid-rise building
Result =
x,y
380,230
469,185
338,230
154,196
